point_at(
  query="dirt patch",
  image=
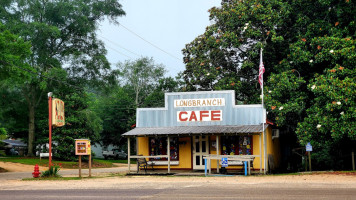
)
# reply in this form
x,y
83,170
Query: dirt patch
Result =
x,y
17,167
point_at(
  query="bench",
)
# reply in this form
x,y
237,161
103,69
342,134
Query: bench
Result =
x,y
44,155
143,164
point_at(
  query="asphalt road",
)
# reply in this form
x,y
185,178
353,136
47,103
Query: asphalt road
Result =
x,y
199,192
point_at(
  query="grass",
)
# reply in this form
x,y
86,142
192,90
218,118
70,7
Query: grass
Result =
x,y
97,163
54,179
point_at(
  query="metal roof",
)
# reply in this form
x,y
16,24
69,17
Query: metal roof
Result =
x,y
15,143
194,130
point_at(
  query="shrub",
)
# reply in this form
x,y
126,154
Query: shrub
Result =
x,y
51,172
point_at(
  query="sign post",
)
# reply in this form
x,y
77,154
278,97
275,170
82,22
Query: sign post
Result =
x,y
55,119
309,148
83,147
50,128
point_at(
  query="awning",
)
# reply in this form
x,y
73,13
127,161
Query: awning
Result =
x,y
195,130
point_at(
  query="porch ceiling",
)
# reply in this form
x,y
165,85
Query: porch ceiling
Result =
x,y
194,130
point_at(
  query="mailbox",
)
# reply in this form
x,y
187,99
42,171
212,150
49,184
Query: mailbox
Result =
x,y
82,147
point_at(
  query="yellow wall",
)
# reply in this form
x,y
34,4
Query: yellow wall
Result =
x,y
185,161
185,153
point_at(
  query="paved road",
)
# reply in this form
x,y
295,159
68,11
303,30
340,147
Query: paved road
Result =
x,y
199,192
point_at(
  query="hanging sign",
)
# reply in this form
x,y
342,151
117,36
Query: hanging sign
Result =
x,y
309,147
58,113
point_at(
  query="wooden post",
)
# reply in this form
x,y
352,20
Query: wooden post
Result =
x,y
217,153
80,166
169,154
265,151
249,167
90,165
261,153
310,169
306,163
353,159
128,153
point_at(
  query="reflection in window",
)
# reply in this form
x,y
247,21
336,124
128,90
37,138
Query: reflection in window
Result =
x,y
158,146
237,145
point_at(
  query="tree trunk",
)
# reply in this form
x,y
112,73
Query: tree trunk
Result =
x,y
31,129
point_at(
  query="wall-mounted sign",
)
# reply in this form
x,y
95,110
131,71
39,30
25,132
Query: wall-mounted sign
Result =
x,y
308,147
199,115
199,102
82,147
58,113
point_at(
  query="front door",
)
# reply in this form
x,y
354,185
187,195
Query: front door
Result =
x,y
200,148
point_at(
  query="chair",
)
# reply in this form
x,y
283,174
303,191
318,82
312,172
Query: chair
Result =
x,y
141,164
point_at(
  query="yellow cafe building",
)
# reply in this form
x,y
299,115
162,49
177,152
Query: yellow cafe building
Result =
x,y
205,129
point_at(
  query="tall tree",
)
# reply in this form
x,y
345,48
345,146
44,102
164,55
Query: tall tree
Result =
x,y
309,55
142,75
62,33
13,54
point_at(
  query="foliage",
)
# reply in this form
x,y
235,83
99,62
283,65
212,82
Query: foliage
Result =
x,y
51,172
309,56
62,33
142,75
117,110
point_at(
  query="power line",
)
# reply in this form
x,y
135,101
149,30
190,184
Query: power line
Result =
x,y
119,52
149,42
119,45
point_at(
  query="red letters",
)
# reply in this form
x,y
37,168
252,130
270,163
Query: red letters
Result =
x,y
202,114
216,115
180,116
193,116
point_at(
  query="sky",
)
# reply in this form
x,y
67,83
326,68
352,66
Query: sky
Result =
x,y
167,24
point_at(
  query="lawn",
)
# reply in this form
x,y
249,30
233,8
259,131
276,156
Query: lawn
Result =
x,y
97,163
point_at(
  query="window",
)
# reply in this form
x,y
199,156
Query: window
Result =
x,y
237,145
158,146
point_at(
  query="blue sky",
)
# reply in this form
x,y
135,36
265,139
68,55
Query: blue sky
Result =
x,y
168,24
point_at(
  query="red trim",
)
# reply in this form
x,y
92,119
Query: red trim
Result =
x,y
269,122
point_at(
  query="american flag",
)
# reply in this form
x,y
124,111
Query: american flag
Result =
x,y
261,71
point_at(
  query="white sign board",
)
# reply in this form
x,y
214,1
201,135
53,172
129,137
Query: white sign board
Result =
x,y
309,147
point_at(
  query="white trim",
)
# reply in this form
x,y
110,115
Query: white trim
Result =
x,y
162,163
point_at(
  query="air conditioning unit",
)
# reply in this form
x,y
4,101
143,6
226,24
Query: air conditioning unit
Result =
x,y
275,133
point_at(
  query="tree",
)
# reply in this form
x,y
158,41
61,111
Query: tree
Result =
x,y
62,33
305,43
142,75
13,53
117,110
226,55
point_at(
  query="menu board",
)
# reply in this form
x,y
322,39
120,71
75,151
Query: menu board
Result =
x,y
82,147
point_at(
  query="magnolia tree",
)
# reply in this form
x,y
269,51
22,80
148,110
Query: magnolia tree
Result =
x,y
309,56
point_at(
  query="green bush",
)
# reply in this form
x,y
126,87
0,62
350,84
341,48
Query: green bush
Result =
x,y
51,172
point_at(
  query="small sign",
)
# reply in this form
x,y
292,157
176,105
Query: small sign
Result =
x,y
82,147
57,113
309,147
224,162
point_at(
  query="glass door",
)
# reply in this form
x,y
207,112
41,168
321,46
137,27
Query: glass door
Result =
x,y
200,148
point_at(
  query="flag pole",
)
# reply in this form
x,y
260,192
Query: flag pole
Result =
x,y
261,71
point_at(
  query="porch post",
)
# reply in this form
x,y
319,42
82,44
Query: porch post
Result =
x,y
217,153
261,152
265,150
128,153
169,154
